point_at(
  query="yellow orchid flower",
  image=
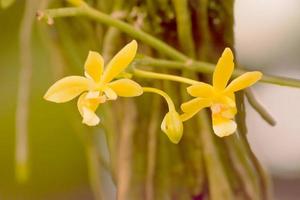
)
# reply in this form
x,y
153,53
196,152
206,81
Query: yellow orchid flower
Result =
x,y
97,85
219,96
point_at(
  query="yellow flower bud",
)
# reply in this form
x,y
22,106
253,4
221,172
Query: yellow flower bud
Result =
x,y
172,126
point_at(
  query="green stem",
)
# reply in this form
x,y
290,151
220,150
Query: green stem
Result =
x,y
186,62
110,21
146,74
208,68
112,38
184,27
163,94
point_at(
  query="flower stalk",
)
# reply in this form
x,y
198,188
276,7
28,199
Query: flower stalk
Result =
x,y
172,124
183,62
208,68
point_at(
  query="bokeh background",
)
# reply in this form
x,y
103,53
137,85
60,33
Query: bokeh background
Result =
x,y
267,38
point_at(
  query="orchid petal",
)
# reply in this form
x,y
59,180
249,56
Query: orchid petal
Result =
x,y
66,89
228,100
229,113
243,81
110,93
126,88
89,117
223,126
201,90
223,70
94,66
195,104
121,60
186,116
87,108
93,95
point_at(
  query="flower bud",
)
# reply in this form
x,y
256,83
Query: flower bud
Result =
x,y
172,126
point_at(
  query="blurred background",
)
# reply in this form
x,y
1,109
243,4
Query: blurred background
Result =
x,y
267,38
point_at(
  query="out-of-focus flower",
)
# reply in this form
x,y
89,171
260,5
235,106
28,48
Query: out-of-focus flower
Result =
x,y
97,85
219,96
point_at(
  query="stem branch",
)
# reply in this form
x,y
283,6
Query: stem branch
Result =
x,y
146,74
208,68
110,21
183,62
163,94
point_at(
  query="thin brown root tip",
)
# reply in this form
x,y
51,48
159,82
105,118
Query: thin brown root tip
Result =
x,y
273,122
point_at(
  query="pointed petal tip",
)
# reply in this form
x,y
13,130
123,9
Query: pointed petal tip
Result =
x,y
46,97
91,53
223,69
133,44
94,52
228,51
258,74
52,98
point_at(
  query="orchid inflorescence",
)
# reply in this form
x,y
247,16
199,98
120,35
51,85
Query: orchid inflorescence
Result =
x,y
98,86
